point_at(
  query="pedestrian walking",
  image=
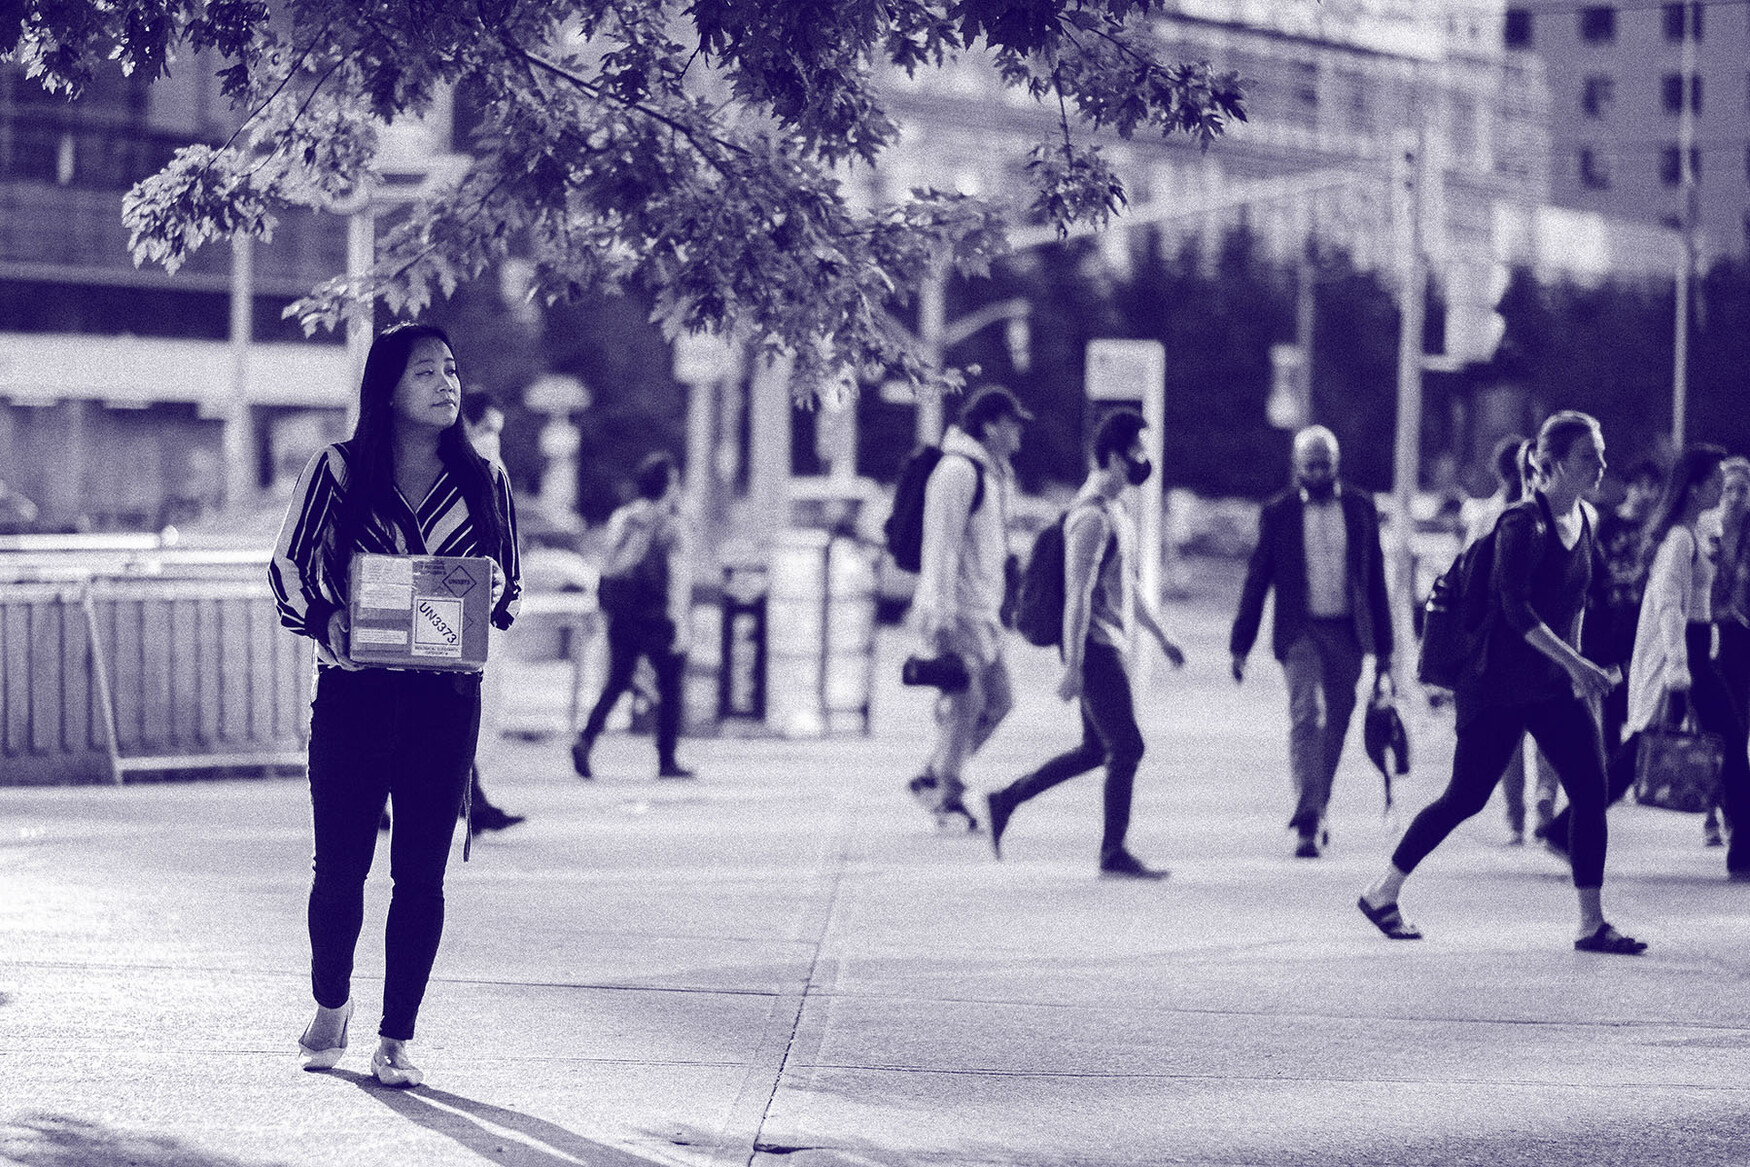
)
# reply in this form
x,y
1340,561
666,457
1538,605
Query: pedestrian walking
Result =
x,y
1613,606
1516,477
1731,603
646,593
1673,667
1103,607
483,422
1531,677
1318,547
965,568
406,483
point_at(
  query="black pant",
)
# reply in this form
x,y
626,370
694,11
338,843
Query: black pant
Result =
x,y
1109,735
1565,731
630,637
1716,712
381,734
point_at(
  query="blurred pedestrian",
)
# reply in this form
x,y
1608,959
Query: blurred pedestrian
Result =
x,y
1532,678
1731,602
1613,607
17,513
1673,670
1103,606
483,422
645,592
1318,547
964,573
406,483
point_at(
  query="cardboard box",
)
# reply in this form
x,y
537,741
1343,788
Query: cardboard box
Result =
x,y
421,611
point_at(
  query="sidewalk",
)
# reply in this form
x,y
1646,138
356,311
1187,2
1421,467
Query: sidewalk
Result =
x,y
783,964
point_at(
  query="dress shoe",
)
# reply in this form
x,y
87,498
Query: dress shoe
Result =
x,y
327,1057
393,1068
580,755
1124,865
674,770
997,810
490,818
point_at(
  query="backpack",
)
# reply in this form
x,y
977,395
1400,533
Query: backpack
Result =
x,y
1040,599
1456,616
904,528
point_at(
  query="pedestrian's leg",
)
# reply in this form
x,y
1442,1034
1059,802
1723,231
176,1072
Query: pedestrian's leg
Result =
x,y
1513,793
1084,757
1547,786
349,780
1341,657
999,699
1306,722
1477,761
1111,709
441,719
1715,713
670,669
622,660
957,719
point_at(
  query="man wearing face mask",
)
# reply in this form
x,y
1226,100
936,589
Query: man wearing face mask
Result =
x,y
1102,609
1318,546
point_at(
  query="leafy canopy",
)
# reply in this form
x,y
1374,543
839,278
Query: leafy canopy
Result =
x,y
694,149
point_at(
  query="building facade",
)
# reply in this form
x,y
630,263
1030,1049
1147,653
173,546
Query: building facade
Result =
x,y
1637,91
130,398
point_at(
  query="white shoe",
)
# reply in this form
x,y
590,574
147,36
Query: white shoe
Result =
x,y
327,1057
393,1069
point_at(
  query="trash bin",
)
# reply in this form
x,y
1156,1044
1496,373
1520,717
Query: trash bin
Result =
x,y
741,673
850,635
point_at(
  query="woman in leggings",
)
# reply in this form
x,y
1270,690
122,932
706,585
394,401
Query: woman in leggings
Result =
x,y
406,483
1531,678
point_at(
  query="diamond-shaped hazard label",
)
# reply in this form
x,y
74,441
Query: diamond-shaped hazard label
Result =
x,y
459,582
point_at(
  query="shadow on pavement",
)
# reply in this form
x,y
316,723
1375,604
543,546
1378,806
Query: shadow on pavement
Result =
x,y
533,1142
56,1140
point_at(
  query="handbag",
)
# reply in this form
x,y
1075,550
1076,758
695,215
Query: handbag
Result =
x,y
1677,767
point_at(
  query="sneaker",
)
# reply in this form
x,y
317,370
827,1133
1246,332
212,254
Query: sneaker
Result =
x,y
1516,838
925,789
1308,848
674,770
1124,865
580,756
997,811
490,818
1710,830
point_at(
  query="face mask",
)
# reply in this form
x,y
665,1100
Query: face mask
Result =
x,y
1137,470
1319,489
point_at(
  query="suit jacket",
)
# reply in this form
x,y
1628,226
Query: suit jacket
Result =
x,y
1279,560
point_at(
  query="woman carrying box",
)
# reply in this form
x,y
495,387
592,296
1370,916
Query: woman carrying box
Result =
x,y
406,483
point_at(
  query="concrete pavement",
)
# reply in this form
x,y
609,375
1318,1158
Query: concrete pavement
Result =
x,y
784,964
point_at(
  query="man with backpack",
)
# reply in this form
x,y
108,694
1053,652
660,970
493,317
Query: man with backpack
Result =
x,y
964,563
1318,547
1102,607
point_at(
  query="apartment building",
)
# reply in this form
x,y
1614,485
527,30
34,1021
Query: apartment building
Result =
x,y
126,399
1637,91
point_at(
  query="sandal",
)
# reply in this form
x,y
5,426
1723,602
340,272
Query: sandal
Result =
x,y
1610,942
1389,920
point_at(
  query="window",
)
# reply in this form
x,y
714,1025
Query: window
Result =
x,y
1597,96
1598,24
1594,169
1517,32
1671,91
1675,23
1670,165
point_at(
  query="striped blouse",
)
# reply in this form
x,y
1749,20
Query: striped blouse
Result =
x,y
302,586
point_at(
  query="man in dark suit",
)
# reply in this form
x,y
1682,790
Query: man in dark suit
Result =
x,y
1318,546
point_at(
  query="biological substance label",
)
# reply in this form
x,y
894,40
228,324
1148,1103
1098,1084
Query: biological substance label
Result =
x,y
437,627
390,636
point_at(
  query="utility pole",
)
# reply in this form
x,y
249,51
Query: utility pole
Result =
x,y
932,329
1688,192
1408,181
239,437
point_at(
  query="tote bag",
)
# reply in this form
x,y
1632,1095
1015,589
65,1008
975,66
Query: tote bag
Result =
x,y
1677,767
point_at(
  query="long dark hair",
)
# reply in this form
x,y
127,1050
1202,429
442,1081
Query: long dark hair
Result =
x,y
371,454
1693,467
